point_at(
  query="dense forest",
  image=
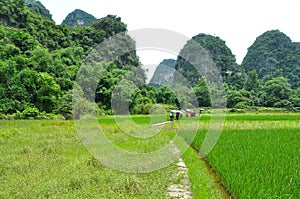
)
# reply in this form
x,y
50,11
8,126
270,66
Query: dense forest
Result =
x,y
39,62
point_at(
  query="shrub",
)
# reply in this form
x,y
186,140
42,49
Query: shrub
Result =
x,y
30,113
284,104
3,116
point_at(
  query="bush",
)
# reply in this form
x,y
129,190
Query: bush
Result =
x,y
83,109
157,109
169,107
34,113
28,113
141,109
236,111
50,116
242,105
296,109
284,104
3,116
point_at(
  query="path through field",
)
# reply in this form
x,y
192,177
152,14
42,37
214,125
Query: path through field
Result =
x,y
183,188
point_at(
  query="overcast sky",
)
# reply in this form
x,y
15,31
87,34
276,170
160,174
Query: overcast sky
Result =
x,y
237,22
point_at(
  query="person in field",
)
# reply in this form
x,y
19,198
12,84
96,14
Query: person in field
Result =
x,y
171,115
177,115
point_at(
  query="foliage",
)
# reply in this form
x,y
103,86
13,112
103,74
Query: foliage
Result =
x,y
277,89
40,60
252,83
111,24
202,92
166,96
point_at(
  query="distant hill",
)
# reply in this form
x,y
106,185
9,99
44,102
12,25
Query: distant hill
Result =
x,y
78,17
163,73
274,50
39,8
218,51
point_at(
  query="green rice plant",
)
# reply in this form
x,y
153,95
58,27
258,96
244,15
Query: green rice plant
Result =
x,y
257,155
203,184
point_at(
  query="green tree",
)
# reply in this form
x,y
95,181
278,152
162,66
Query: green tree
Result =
x,y
202,93
277,89
252,82
166,96
47,92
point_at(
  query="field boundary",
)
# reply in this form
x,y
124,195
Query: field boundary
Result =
x,y
217,181
160,124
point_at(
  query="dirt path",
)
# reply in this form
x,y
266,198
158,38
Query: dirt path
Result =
x,y
182,188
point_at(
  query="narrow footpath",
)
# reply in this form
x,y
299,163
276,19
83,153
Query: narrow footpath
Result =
x,y
182,188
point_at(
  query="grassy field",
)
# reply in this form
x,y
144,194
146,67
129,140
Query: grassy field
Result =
x,y
47,159
257,155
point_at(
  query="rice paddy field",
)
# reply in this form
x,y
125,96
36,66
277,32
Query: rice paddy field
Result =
x,y
256,156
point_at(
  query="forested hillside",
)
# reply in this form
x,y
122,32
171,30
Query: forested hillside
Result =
x,y
221,59
272,75
273,67
273,51
40,60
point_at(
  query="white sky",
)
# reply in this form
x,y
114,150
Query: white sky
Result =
x,y
237,22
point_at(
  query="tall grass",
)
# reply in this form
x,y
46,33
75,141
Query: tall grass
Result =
x,y
46,159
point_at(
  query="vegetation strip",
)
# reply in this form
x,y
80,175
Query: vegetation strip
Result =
x,y
218,183
202,183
